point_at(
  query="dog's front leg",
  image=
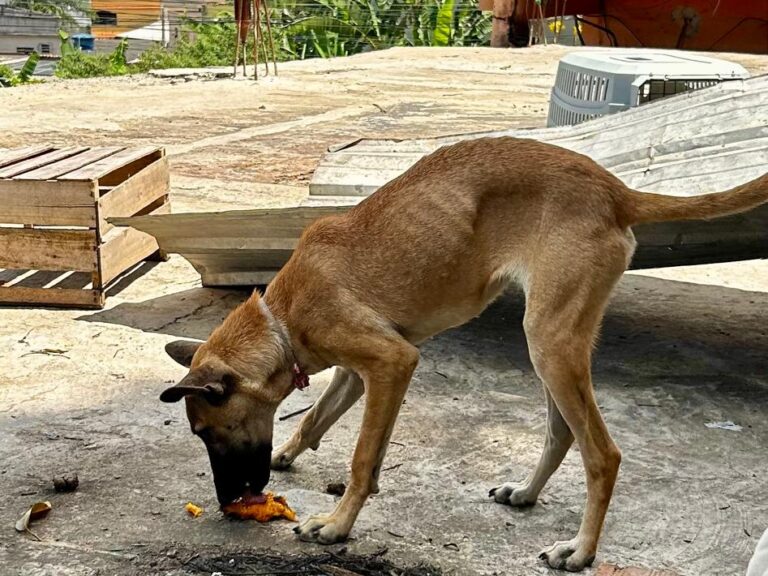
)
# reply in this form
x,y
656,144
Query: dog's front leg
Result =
x,y
344,389
385,387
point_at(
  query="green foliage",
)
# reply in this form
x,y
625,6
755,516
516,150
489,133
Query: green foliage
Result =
x,y
327,28
9,77
117,59
77,64
25,74
66,45
80,65
444,28
203,45
303,29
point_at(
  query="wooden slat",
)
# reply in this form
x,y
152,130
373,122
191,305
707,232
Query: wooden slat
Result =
x,y
48,203
123,248
138,191
103,167
52,171
8,157
240,247
160,206
38,161
59,297
49,215
261,223
52,194
260,277
47,249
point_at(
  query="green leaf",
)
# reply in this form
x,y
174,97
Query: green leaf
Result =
x,y
8,77
444,29
118,55
25,74
66,45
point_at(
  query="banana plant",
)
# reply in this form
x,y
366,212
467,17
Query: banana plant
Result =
x,y
8,77
444,28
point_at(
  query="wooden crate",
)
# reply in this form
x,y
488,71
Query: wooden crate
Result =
x,y
56,246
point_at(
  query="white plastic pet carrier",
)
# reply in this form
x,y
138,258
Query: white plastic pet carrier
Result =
x,y
592,83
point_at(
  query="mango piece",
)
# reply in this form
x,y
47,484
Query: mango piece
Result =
x,y
272,507
193,510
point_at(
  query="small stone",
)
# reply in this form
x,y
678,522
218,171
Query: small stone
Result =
x,y
66,483
336,488
167,422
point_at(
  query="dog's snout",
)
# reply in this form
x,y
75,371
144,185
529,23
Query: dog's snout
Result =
x,y
240,470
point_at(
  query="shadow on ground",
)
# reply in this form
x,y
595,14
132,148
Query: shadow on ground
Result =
x,y
637,333
673,357
192,313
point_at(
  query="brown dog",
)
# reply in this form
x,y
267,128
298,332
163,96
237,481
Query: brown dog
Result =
x,y
427,252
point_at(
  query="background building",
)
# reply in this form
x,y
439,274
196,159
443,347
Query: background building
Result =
x,y
23,32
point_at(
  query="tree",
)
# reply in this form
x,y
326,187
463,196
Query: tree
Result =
x,y
66,10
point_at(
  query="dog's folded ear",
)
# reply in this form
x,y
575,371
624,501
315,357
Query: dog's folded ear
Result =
x,y
213,384
182,351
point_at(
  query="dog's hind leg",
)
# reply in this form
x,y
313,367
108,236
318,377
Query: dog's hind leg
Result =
x,y
556,445
344,389
566,298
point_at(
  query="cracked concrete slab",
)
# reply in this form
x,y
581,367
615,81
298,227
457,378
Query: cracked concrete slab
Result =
x,y
680,348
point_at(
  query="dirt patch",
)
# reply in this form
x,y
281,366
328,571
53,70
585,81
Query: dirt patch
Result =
x,y
339,563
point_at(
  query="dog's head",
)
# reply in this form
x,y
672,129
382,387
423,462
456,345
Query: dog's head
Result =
x,y
235,382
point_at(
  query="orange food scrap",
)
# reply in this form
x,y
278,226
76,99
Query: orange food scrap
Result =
x,y
272,507
193,510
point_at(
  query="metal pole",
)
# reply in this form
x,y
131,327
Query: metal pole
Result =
x,y
269,31
256,38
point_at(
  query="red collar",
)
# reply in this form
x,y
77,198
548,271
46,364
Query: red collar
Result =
x,y
300,378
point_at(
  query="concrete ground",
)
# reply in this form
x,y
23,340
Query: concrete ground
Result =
x,y
78,390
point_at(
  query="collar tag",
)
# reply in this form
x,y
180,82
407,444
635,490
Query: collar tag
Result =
x,y
300,378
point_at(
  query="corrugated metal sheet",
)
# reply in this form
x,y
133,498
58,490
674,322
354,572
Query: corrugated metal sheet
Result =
x,y
694,143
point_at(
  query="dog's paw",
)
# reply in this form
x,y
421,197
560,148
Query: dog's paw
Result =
x,y
518,495
568,556
282,458
321,529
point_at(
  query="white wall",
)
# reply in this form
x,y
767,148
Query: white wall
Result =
x,y
9,43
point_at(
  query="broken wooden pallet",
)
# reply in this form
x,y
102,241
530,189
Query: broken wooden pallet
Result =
x,y
56,246
235,248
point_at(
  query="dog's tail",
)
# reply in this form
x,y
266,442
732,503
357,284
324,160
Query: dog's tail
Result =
x,y
643,207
